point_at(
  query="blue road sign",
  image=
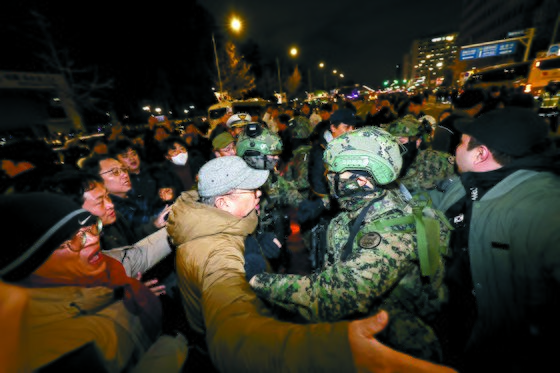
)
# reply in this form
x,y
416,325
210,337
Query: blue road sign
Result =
x,y
491,50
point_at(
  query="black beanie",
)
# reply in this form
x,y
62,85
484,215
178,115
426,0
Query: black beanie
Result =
x,y
32,227
511,130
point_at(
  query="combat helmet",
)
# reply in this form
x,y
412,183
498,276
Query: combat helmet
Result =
x,y
300,127
407,126
368,149
256,143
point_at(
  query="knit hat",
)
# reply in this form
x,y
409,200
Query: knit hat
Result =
x,y
222,140
220,175
345,116
511,130
33,225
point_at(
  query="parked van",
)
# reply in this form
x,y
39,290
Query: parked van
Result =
x,y
543,70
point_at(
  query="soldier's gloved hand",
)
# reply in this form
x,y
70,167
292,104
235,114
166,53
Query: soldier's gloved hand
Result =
x,y
309,210
270,245
252,246
254,264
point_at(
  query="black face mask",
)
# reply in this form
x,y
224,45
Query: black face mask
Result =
x,y
408,157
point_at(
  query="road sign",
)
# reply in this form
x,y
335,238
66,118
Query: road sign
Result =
x,y
553,50
491,50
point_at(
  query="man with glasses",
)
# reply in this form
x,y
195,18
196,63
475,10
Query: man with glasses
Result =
x,y
82,305
229,325
117,181
138,248
144,187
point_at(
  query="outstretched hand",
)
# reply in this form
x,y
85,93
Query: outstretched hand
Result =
x,y
161,220
153,285
370,355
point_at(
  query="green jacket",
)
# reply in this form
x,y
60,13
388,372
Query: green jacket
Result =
x,y
241,335
514,250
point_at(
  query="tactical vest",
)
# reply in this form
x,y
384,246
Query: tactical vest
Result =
x,y
425,221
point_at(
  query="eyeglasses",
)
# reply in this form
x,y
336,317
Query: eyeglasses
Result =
x,y
78,242
252,191
115,171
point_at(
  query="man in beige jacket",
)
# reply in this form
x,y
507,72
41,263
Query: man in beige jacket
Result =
x,y
228,321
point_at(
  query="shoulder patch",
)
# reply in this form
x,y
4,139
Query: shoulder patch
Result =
x,y
451,159
370,240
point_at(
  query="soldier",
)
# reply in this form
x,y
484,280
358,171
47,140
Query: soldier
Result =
x,y
422,168
373,259
260,148
299,130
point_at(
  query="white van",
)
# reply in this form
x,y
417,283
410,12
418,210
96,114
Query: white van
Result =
x,y
543,70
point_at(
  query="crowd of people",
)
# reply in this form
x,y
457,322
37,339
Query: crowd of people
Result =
x,y
432,243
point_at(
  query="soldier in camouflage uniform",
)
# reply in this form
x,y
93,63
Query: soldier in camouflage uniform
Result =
x,y
422,168
299,130
260,148
374,265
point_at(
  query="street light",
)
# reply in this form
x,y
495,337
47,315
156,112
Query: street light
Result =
x,y
236,25
217,63
293,52
322,66
335,73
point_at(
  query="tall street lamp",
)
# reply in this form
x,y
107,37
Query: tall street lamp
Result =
x,y
217,63
293,52
235,25
322,66
279,77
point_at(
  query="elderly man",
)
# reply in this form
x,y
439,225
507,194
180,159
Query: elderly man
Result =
x,y
138,248
78,297
228,320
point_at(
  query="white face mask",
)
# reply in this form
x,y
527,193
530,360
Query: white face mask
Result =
x,y
180,159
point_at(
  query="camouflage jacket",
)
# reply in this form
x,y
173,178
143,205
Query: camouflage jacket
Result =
x,y
280,192
382,271
297,169
429,167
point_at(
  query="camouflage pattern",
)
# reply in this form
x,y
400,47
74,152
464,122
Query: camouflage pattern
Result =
x,y
428,168
382,271
267,143
407,126
278,195
297,169
282,192
300,127
369,149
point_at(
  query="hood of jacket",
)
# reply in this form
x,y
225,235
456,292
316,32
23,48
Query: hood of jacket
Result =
x,y
190,220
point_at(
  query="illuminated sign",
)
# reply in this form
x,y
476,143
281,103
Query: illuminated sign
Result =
x,y
491,50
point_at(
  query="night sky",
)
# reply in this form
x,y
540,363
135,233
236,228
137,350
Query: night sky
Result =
x,y
166,45
364,39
